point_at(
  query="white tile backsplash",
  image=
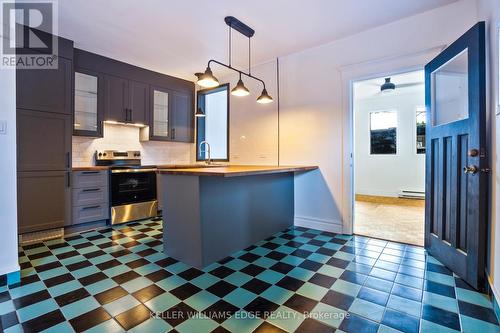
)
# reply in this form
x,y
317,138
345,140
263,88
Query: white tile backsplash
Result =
x,y
122,137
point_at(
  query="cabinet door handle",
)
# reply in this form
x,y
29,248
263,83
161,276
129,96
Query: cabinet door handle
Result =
x,y
68,174
89,172
67,160
90,207
91,190
173,133
130,115
126,114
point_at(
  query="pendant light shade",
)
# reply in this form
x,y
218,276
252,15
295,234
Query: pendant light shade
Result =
x,y
199,113
240,89
207,79
264,97
388,86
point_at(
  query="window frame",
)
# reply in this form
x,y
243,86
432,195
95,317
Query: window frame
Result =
x,y
419,109
370,132
201,120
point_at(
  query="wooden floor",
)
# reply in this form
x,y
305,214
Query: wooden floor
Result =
x,y
395,219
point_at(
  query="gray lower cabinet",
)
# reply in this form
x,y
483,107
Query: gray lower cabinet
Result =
x,y
90,196
44,200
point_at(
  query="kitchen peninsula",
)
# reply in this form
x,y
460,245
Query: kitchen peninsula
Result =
x,y
214,211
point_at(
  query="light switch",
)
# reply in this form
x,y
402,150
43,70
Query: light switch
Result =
x,y
3,127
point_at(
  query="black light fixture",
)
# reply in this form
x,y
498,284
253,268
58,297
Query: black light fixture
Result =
x,y
264,97
208,80
388,86
199,113
240,89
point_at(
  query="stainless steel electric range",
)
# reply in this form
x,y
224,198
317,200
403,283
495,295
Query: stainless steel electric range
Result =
x,y
132,185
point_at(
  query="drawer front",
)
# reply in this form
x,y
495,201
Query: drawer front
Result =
x,y
90,196
92,213
90,179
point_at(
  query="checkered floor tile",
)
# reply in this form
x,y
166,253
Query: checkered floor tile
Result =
x,y
300,280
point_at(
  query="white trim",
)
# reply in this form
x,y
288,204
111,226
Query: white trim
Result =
x,y
319,224
387,66
8,270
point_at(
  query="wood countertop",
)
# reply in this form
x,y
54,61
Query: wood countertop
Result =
x,y
234,170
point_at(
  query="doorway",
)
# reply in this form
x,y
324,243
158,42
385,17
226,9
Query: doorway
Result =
x,y
389,157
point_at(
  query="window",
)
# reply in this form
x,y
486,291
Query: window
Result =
x,y
383,126
214,127
420,130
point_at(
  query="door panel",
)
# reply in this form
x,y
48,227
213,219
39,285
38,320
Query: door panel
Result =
x,y
181,115
115,96
43,141
36,209
139,101
456,163
46,90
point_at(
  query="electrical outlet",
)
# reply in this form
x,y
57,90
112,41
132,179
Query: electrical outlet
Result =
x,y
3,127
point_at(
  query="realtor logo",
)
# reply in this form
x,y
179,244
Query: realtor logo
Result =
x,y
29,32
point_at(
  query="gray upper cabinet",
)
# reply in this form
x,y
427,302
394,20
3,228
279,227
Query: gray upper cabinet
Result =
x,y
181,117
171,116
47,90
89,103
138,97
159,114
126,101
115,96
163,103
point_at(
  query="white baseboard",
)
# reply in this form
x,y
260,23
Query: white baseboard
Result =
x,y
10,269
319,224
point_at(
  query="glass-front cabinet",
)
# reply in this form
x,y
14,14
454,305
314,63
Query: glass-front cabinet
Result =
x,y
159,126
88,104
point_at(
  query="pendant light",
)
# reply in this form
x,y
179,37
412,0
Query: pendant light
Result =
x,y
240,89
208,80
264,97
388,86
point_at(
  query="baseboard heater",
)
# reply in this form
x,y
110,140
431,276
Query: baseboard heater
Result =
x,y
411,194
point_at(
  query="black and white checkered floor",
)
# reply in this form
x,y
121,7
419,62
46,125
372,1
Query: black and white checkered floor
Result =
x,y
300,280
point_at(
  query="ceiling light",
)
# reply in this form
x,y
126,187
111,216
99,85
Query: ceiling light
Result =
x,y
199,113
388,86
264,97
207,79
240,89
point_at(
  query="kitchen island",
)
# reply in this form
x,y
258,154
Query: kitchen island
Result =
x,y
214,211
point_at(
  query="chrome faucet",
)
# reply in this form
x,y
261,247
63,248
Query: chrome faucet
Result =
x,y
209,160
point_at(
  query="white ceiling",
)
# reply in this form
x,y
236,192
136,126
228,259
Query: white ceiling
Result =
x,y
411,82
179,36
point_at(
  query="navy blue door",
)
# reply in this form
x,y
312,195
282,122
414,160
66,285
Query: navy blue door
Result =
x,y
456,157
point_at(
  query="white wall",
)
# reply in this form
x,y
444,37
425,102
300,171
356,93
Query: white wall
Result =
x,y
311,126
489,11
387,175
253,126
312,112
122,137
8,190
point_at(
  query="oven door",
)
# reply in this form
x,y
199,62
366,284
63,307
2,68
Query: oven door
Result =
x,y
130,186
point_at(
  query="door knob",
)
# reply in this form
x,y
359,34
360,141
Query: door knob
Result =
x,y
471,169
